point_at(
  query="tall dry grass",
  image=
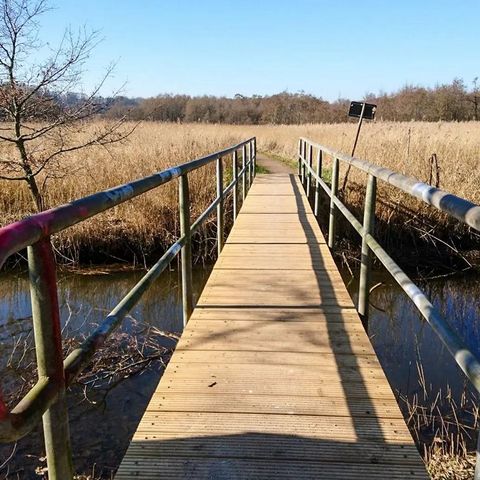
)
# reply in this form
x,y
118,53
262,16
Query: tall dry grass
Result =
x,y
150,221
137,228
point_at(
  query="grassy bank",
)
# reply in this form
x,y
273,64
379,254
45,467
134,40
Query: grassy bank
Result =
x,y
144,226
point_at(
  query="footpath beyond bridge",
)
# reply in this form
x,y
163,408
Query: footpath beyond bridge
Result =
x,y
274,376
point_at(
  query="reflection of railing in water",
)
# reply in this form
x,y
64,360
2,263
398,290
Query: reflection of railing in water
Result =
x,y
47,397
465,211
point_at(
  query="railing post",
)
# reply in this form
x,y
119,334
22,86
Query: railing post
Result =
x,y
317,183
300,146
48,348
368,225
333,209
302,156
254,145
244,174
309,173
249,162
186,254
235,184
220,205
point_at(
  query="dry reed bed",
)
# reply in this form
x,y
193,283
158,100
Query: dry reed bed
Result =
x,y
142,225
407,148
150,221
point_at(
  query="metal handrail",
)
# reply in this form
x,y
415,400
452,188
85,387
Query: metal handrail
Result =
x,y
465,211
47,397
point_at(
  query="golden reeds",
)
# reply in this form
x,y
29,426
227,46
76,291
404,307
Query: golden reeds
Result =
x,y
150,221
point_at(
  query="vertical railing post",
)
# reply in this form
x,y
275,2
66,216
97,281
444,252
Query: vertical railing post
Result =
x,y
333,209
186,254
309,173
244,174
235,184
304,149
254,157
300,146
368,225
249,162
317,183
220,219
49,353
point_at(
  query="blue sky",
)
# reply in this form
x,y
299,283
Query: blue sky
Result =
x,y
328,48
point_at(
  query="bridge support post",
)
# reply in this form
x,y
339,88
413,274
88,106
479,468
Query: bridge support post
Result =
x,y
48,346
300,146
220,217
365,267
244,174
333,209
186,254
254,156
309,173
250,165
235,184
317,184
303,159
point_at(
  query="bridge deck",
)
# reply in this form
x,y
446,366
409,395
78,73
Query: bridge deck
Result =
x,y
274,376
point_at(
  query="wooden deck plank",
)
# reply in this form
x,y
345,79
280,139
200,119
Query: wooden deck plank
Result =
x,y
274,376
281,404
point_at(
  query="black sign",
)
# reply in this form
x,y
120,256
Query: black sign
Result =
x,y
356,110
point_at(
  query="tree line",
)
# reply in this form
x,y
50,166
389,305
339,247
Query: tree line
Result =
x,y
449,102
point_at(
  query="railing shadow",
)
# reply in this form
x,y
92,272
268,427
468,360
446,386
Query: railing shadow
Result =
x,y
210,423
360,387
255,455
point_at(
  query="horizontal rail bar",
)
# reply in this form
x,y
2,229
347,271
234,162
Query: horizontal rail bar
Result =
x,y
463,210
18,235
206,213
465,359
28,412
211,208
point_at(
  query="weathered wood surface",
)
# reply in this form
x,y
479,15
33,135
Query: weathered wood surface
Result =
x,y
274,376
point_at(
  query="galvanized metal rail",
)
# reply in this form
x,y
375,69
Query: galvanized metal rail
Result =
x,y
463,210
47,398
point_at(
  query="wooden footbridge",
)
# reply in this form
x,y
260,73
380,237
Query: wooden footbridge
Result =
x,y
274,376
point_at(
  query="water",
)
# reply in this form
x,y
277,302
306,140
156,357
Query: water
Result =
x,y
101,432
415,361
401,337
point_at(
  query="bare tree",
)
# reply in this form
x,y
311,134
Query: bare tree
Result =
x,y
37,123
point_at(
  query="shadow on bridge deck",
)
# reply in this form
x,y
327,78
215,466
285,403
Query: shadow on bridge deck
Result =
x,y
274,376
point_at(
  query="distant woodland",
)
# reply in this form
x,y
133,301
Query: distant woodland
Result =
x,y
456,101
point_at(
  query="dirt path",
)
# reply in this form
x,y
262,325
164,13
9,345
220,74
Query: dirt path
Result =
x,y
273,165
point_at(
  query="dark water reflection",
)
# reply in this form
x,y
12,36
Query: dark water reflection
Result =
x,y
100,432
404,342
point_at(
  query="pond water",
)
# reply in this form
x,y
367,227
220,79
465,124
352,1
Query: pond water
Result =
x,y
101,430
405,344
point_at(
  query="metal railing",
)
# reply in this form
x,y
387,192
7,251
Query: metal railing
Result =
x,y
465,211
47,398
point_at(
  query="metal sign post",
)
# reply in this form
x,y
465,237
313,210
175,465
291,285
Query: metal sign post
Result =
x,y
360,110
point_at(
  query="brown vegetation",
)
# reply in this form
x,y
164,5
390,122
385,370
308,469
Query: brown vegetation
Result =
x,y
138,228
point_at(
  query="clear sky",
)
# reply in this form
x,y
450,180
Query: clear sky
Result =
x,y
325,47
